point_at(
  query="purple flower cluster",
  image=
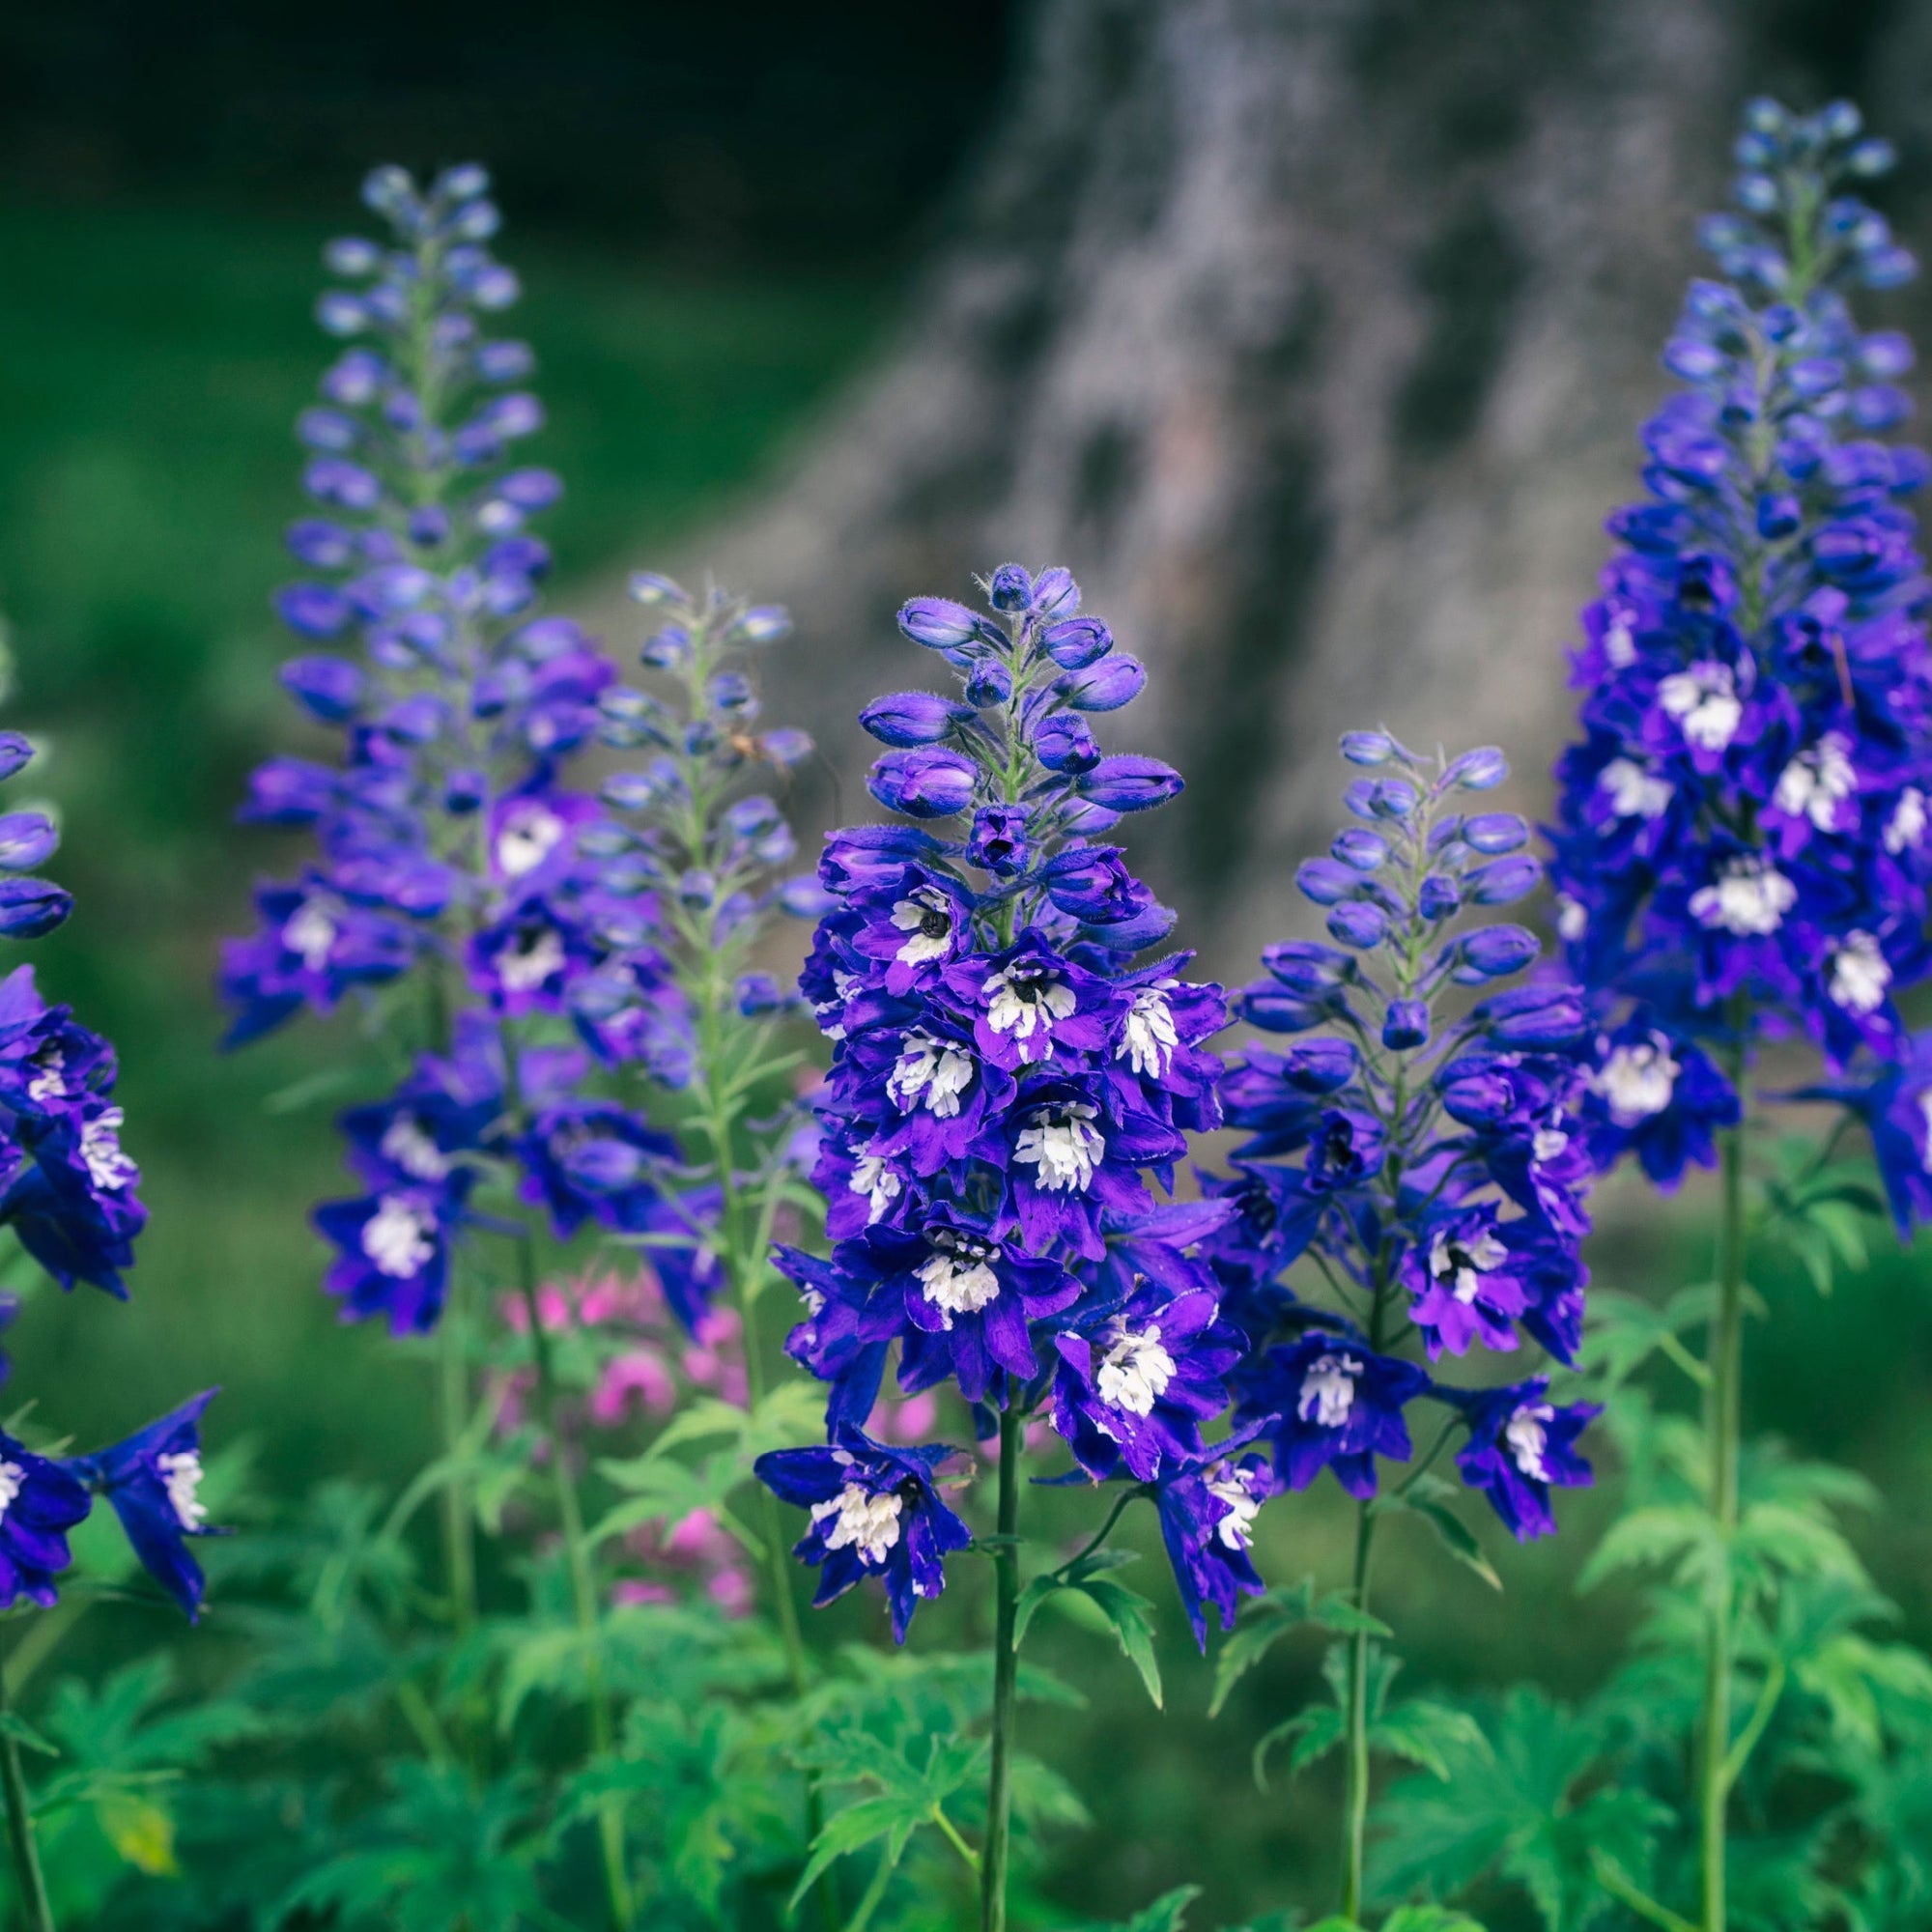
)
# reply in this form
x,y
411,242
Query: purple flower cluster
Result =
x,y
1746,842
1429,1167
1005,1081
449,842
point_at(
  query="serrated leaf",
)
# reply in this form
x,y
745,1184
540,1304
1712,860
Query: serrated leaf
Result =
x,y
1646,1538
1458,1539
1315,1733
1129,1614
1425,1734
1167,1914
16,1727
1263,1624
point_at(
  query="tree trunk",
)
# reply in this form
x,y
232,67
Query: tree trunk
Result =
x,y
1313,335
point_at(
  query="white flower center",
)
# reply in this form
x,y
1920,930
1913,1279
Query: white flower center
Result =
x,y
1859,973
399,1237
49,1082
1464,1264
12,1480
108,1166
1062,1147
1907,823
1135,1368
1925,1115
1026,1001
866,1522
1619,644
933,1067
1635,792
1637,1080
927,916
1572,918
1529,1440
1704,704
1228,1485
531,958
1750,898
959,1283
310,932
407,1143
1546,1143
1328,1391
182,1473
527,836
873,1178
1148,1038
1812,785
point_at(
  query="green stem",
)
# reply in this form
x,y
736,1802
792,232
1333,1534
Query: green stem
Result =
x,y
35,1906
582,1583
1356,1820
1005,1677
458,1543
1723,1405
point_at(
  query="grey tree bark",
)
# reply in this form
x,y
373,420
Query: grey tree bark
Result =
x,y
1313,335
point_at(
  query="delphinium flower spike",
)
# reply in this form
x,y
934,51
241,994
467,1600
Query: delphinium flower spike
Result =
x,y
1417,1157
1005,1081
451,849
1744,844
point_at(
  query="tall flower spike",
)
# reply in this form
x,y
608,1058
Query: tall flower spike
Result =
x,y
1419,1159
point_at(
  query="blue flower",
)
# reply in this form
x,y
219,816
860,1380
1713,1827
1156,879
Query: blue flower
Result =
x,y
875,1512
1331,1403
153,1479
39,1502
1207,1505
394,1250
1520,1445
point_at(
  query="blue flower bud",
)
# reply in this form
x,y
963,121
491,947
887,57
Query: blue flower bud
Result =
x,y
1055,594
418,720
762,624
1129,783
1077,642
463,791
1406,1024
1356,923
1307,966
1492,833
1325,882
1274,1010
1010,588
938,623
990,684
1777,515
1505,881
926,783
1439,898
908,717
1360,849
1064,744
804,897
1479,1099
651,589
351,255
759,993
1367,748
786,747
314,609
1480,770
997,841
1756,192
329,689
31,907
1871,158
26,840
1539,1015
1493,953
1394,799
16,754
1318,1066
666,650
1116,680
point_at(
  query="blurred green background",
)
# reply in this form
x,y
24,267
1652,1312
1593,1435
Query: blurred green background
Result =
x,y
709,245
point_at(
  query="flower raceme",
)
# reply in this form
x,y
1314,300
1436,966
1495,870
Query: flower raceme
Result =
x,y
1006,1081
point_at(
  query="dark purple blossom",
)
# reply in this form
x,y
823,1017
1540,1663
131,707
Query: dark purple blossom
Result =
x,y
1520,1446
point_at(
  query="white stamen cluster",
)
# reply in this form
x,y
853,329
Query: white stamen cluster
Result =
x,y
1062,1147
50,1081
957,1279
1228,1485
407,1143
934,1068
1861,974
529,835
12,1480
109,1167
181,1473
1328,1395
1135,1370
1527,1434
311,931
1026,1001
927,915
861,1520
1906,826
1703,699
531,958
1749,898
399,1237
1148,1038
1637,1080
874,1179
1634,791
1460,1265
1813,784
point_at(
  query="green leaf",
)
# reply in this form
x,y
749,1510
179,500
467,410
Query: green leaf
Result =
x,y
1129,1614
16,1727
1646,1538
1315,1733
1426,1734
1263,1624
1458,1538
1167,1914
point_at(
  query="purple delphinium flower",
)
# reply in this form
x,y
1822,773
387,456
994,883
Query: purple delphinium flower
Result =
x,y
1743,847
875,1512
1207,1507
1008,1085
396,1250
1332,1402
39,1502
1520,1446
154,1481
